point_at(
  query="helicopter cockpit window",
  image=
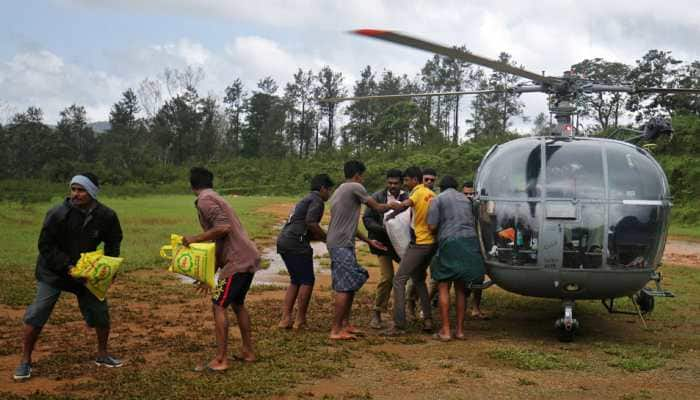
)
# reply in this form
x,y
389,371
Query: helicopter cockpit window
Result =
x,y
574,170
583,241
634,235
513,171
510,231
633,176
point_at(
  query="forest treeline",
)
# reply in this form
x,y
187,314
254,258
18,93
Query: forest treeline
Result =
x,y
165,121
271,138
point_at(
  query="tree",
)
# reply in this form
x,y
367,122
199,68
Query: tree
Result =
x,y
542,125
362,113
491,112
656,69
176,126
125,144
76,136
330,84
456,73
605,108
31,145
688,76
150,95
300,93
235,100
208,137
265,122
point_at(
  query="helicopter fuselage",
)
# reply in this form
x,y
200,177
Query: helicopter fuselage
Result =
x,y
572,218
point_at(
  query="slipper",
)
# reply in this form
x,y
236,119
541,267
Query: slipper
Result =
x,y
438,336
208,368
393,332
242,359
342,337
481,316
459,337
354,330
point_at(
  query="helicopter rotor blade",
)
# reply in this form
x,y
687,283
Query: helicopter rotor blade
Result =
x,y
667,90
399,38
407,95
631,89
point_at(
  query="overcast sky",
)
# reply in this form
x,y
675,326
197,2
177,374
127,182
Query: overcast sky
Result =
x,y
54,53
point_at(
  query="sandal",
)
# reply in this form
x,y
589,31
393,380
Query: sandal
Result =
x,y
438,336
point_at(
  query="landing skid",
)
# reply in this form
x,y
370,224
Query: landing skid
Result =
x,y
643,300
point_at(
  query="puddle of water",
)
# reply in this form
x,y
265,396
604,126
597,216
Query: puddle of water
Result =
x,y
272,274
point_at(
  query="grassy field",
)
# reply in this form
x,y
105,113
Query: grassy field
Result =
x,y
147,223
162,331
687,232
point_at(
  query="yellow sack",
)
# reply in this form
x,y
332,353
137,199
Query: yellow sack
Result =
x,y
98,269
198,261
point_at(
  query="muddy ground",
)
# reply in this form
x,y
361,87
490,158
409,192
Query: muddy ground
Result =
x,y
162,331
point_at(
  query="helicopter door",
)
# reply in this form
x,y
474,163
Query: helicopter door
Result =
x,y
551,249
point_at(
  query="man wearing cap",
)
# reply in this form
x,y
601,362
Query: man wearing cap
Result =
x,y
78,225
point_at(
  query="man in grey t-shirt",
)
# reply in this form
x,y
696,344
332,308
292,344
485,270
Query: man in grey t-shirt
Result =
x,y
348,276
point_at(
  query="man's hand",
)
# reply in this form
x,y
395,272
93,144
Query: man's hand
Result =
x,y
201,288
396,206
377,244
188,240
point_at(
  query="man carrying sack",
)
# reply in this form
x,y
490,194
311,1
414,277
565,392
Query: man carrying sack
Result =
x,y
237,259
76,226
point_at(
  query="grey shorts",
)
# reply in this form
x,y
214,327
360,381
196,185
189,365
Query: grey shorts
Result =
x,y
95,312
347,274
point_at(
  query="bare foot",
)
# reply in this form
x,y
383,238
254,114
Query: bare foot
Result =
x,y
246,358
342,335
285,323
459,336
352,329
299,325
213,365
442,337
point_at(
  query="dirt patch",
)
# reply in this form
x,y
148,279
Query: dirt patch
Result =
x,y
280,210
682,252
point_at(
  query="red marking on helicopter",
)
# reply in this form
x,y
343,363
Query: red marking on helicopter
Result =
x,y
370,32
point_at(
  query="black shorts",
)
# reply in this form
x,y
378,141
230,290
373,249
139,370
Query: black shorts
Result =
x,y
233,289
300,268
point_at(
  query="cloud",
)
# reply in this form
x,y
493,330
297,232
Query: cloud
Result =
x,y
41,78
276,37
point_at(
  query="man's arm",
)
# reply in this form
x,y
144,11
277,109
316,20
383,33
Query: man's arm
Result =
x,y
56,259
371,220
212,234
377,206
371,242
113,238
216,218
434,215
317,233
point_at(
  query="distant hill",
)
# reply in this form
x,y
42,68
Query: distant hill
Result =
x,y
100,126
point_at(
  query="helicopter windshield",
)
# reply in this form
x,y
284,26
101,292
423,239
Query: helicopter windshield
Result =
x,y
632,175
574,170
596,204
507,177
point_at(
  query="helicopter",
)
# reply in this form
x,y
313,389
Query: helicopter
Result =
x,y
565,216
